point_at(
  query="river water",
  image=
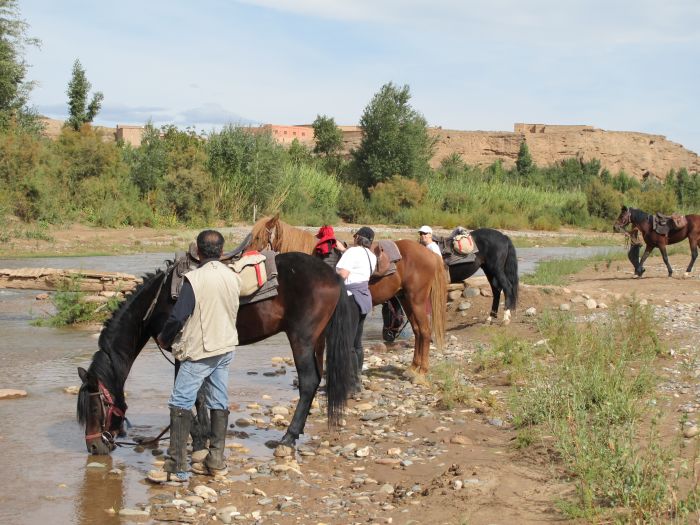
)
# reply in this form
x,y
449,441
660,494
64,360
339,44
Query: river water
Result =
x,y
44,462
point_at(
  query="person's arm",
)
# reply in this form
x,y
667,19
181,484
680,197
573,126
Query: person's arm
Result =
x,y
340,268
181,312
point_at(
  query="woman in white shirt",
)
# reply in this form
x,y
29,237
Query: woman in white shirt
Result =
x,y
356,266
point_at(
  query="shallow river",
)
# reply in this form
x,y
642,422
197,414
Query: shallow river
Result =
x,y
44,461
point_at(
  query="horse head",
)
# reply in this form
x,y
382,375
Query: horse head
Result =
x,y
101,406
101,401
623,219
265,234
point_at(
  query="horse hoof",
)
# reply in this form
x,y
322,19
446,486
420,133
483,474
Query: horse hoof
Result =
x,y
686,275
506,318
488,320
420,379
410,373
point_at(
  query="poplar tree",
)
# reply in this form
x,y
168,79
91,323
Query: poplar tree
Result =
x,y
79,111
14,87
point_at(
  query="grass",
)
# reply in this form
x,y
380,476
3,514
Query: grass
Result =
x,y
556,272
590,393
72,307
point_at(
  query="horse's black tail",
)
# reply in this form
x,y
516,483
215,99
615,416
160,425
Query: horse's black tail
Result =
x,y
511,270
340,336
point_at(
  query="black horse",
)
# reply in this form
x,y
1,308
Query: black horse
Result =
x,y
498,260
643,222
312,307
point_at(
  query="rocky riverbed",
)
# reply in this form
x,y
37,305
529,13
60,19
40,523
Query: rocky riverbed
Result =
x,y
402,457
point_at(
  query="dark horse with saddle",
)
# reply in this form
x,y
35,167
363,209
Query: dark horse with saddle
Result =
x,y
300,296
658,231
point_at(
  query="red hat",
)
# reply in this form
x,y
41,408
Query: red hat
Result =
x,y
325,233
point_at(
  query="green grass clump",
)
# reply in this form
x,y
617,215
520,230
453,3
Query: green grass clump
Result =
x,y
72,308
449,379
591,394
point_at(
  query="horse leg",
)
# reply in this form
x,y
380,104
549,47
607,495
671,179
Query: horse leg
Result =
x,y
502,284
414,307
640,269
309,378
664,255
200,426
693,256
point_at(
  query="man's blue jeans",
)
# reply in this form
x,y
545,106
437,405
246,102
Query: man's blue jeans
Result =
x,y
212,371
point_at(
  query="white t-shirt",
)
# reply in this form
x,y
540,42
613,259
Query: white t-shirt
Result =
x,y
433,247
357,261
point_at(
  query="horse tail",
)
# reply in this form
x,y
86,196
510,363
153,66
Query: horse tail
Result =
x,y
438,302
340,336
511,271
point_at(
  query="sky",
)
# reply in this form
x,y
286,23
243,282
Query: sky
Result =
x,y
624,65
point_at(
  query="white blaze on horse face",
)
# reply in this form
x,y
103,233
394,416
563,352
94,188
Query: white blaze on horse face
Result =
x,y
506,317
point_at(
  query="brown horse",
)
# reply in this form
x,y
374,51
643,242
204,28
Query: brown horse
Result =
x,y
643,222
419,277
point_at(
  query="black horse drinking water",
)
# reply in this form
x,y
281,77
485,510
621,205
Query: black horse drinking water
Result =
x,y
312,307
644,223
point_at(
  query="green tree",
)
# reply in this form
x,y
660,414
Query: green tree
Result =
x,y
14,88
80,112
524,164
395,139
328,136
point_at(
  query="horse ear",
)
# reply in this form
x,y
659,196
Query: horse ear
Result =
x,y
83,374
624,208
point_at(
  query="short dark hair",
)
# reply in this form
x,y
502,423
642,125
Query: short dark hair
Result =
x,y
364,236
210,244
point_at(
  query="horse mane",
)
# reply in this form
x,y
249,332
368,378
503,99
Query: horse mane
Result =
x,y
105,366
637,215
292,239
289,238
112,326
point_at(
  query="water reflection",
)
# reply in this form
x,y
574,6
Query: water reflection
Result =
x,y
101,494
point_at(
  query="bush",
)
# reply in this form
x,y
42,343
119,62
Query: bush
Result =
x,y
388,199
309,195
188,194
603,201
575,211
352,206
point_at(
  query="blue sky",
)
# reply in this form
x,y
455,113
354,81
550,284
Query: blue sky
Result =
x,y
471,65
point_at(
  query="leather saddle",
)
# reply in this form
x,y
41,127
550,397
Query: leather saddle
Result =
x,y
663,224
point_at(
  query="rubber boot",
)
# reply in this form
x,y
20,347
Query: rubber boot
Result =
x,y
215,464
175,467
358,361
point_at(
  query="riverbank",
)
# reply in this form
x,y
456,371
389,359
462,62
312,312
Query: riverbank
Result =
x,y
414,454
34,240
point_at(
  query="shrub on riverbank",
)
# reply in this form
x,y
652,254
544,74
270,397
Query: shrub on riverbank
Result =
x,y
177,177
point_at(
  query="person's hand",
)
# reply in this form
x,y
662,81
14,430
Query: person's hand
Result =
x,y
161,343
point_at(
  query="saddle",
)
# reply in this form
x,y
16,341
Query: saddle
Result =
x,y
663,224
257,270
387,254
458,247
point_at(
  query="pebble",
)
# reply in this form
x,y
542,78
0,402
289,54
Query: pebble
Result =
x,y
386,489
460,440
362,452
564,307
205,492
591,304
691,431
531,312
133,513
227,514
283,451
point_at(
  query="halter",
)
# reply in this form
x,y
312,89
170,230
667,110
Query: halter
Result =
x,y
108,408
624,219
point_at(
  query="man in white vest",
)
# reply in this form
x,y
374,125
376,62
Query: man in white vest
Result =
x,y
202,331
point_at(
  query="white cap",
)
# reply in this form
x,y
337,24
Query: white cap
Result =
x,y
425,229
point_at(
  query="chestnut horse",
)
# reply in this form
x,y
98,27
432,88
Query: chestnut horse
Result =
x,y
643,222
419,277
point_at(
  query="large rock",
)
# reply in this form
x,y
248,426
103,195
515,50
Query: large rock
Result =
x,y
11,393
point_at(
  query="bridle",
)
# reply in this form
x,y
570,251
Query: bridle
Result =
x,y
107,409
623,220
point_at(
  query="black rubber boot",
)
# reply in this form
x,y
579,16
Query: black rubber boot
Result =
x,y
358,360
217,441
180,421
